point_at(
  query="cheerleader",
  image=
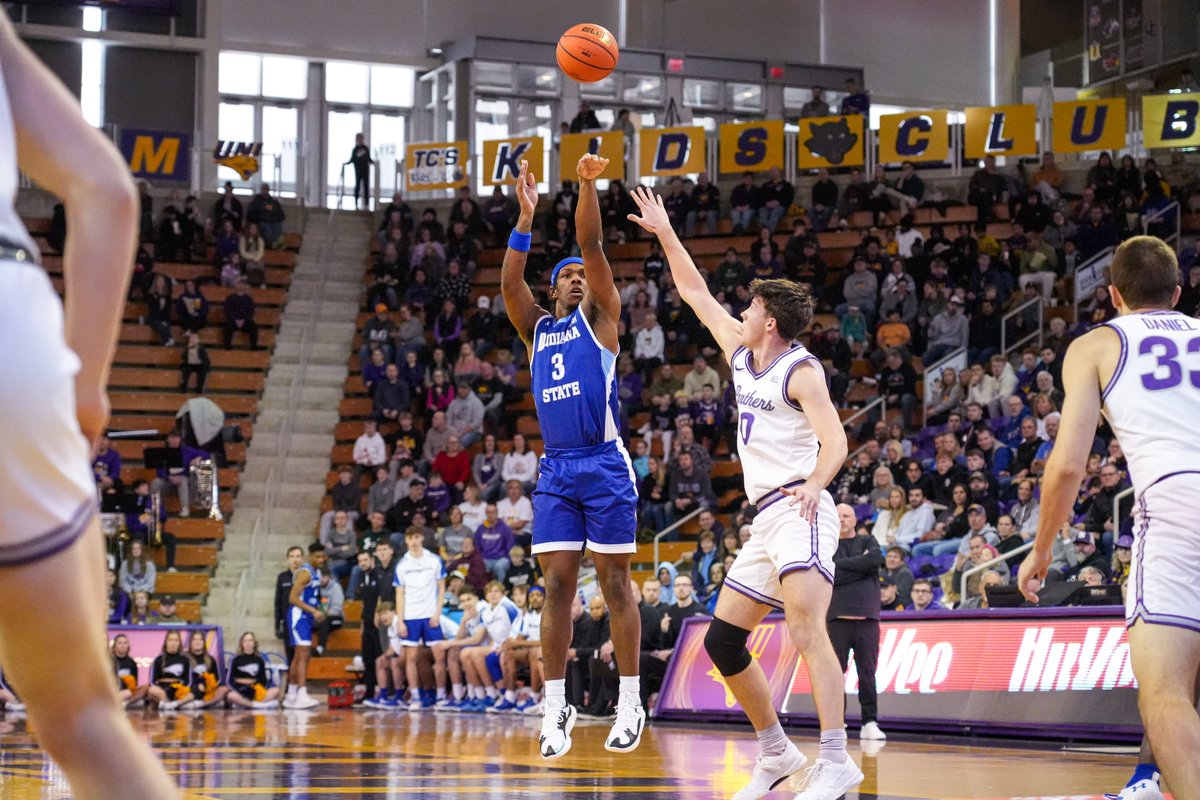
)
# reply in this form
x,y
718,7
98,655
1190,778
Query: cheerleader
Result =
x,y
248,677
127,673
171,675
206,672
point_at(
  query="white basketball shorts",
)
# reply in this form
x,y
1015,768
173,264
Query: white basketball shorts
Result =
x,y
781,541
1165,570
45,479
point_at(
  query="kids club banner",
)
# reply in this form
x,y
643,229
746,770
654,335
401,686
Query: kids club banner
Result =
x,y
917,136
610,145
751,146
502,159
831,142
672,151
1001,131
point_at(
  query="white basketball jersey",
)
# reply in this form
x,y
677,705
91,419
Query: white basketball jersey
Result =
x,y
1152,400
775,440
11,227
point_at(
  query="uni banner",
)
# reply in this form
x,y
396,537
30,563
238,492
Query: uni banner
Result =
x,y
435,165
1001,131
914,136
830,142
607,144
1169,120
1081,125
502,159
672,151
751,146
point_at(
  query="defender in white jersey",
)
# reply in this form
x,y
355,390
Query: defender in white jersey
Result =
x,y
53,406
791,444
1142,371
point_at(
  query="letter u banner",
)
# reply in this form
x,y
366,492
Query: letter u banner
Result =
x,y
1089,125
752,146
502,159
672,151
1169,120
914,136
1001,131
610,145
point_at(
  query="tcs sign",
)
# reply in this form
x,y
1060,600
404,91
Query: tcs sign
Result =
x,y
672,151
156,155
752,146
435,165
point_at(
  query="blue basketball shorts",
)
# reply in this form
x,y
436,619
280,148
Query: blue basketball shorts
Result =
x,y
493,665
586,497
420,632
300,627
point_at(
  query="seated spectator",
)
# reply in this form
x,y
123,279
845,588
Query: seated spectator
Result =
x,y
370,451
137,573
678,204
948,331
195,362
239,315
251,251
898,572
744,203
225,240
705,205
118,600
1087,555
499,214
390,397
106,466
347,497
649,344
907,192
333,601
340,542
775,198
227,207
889,597
520,464
823,210
486,469
494,539
454,466
464,415
860,289
898,385
469,561
517,512
177,477
191,307
268,214
922,596
453,533
765,266
690,488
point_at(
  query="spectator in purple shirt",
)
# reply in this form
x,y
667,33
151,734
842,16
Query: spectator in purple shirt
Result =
x,y
494,539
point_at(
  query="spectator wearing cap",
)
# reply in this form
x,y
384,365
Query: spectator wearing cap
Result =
x,y
948,331
1122,557
980,485
168,614
1089,556
853,615
977,524
889,597
483,328
400,515
378,334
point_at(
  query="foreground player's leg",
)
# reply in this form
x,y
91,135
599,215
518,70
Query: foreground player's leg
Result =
x,y
1144,782
806,596
561,569
626,623
778,759
1165,661
113,766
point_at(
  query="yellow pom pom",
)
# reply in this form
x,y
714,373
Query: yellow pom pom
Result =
x,y
260,693
129,682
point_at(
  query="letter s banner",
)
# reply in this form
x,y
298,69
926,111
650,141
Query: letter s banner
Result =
x,y
914,136
751,146
672,151
435,165
1001,131
157,155
502,159
1081,125
1170,120
609,144
1045,672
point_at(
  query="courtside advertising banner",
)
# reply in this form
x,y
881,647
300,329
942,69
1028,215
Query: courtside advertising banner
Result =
x,y
435,165
1053,674
146,643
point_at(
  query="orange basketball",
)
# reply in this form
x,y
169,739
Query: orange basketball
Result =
x,y
587,52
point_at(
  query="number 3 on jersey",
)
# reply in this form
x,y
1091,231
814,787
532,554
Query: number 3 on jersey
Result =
x,y
559,371
1167,354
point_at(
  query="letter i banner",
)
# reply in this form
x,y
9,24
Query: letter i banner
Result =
x,y
672,151
609,144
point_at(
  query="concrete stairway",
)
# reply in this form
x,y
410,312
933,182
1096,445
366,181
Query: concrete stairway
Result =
x,y
293,434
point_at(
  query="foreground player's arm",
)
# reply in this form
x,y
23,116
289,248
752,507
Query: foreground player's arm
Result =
x,y
602,295
692,289
1067,463
59,150
518,300
807,387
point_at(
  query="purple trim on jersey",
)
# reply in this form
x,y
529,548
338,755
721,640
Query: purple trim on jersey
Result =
x,y
1140,611
763,501
1170,620
750,361
52,542
803,565
1139,553
1112,382
753,595
1162,478
787,377
733,356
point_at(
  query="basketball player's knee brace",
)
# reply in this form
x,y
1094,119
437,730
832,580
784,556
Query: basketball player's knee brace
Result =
x,y
726,646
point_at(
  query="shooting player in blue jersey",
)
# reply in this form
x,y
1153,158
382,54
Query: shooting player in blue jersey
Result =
x,y
586,494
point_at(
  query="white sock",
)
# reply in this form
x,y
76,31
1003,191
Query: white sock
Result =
x,y
491,692
291,692
479,693
630,689
510,695
441,693
459,690
556,693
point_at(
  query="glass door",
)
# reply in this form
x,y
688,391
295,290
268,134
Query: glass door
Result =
x,y
342,126
235,123
280,138
385,134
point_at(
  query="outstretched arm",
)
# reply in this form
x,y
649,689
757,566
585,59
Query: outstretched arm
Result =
x,y
1066,466
692,289
518,300
602,292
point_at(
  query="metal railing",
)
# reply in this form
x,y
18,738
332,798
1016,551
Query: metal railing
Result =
x,y
1174,210
934,372
677,523
1005,347
881,402
987,565
1117,509
1089,275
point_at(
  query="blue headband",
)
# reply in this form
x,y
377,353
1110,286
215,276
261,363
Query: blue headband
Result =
x,y
558,268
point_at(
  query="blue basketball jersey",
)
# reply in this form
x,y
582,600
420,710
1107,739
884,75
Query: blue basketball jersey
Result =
x,y
311,594
574,383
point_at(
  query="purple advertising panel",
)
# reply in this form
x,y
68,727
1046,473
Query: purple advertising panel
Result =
x,y
146,642
1066,672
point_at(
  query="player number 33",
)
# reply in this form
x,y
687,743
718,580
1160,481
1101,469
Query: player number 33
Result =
x,y
1167,354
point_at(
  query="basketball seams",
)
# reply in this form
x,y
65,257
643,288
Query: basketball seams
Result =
x,y
591,41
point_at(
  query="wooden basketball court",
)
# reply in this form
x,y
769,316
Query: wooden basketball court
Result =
x,y
368,754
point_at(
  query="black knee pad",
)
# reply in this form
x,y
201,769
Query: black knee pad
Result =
x,y
726,646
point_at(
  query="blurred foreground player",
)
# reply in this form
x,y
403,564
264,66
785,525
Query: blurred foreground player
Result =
x,y
791,444
1142,371
54,406
586,495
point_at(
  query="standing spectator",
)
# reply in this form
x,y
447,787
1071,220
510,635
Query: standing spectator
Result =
x,y
239,315
705,205
377,334
360,157
265,211
227,207
195,361
283,591
898,383
948,331
494,539
853,615
775,197
856,101
585,119
816,107
744,203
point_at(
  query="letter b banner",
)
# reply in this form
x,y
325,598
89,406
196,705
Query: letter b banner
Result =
x,y
672,151
1171,120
